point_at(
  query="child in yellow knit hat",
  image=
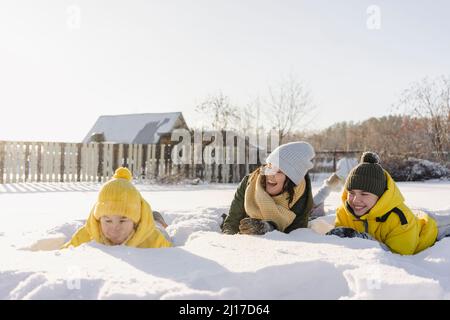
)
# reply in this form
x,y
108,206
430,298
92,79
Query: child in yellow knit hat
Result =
x,y
121,216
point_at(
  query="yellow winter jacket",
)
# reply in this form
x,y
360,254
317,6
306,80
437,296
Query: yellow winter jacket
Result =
x,y
391,222
146,234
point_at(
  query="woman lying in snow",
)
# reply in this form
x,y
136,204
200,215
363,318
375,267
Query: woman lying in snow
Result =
x,y
373,208
268,198
121,216
276,196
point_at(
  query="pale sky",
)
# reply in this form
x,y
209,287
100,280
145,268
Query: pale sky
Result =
x,y
58,74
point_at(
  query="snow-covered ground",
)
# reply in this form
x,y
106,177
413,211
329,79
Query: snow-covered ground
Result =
x,y
205,264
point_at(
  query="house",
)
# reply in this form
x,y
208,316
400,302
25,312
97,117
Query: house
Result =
x,y
144,128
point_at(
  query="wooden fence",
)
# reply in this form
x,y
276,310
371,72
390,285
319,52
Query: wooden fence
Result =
x,y
96,162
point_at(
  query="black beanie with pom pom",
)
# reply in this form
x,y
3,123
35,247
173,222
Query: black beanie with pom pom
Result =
x,y
368,175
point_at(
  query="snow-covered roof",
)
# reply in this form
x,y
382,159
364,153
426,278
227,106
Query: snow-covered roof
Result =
x,y
144,128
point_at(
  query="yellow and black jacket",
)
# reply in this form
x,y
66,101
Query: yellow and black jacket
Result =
x,y
391,222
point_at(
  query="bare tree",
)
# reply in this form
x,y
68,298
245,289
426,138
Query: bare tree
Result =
x,y
220,110
250,118
288,107
430,99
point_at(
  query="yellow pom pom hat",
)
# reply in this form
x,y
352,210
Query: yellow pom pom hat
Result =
x,y
118,196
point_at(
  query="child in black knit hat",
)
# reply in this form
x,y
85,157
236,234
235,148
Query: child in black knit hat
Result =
x,y
373,208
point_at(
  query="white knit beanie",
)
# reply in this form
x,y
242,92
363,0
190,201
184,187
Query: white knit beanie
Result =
x,y
293,159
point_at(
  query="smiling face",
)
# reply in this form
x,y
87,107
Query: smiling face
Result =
x,y
116,228
274,180
361,201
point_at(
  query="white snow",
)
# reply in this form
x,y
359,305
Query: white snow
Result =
x,y
205,264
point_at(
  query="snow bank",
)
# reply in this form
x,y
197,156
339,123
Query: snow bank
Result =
x,y
206,264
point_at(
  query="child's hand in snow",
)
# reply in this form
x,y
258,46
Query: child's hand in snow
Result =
x,y
254,226
344,232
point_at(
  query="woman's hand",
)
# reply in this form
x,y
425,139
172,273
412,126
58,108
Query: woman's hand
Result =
x,y
254,226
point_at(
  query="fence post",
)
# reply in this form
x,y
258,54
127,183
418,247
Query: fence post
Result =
x,y
167,159
202,167
27,162
334,161
151,162
39,162
73,162
115,163
79,146
144,160
2,161
189,165
158,159
100,162
125,155
61,163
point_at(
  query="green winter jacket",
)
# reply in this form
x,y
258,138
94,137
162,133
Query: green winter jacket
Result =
x,y
301,208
